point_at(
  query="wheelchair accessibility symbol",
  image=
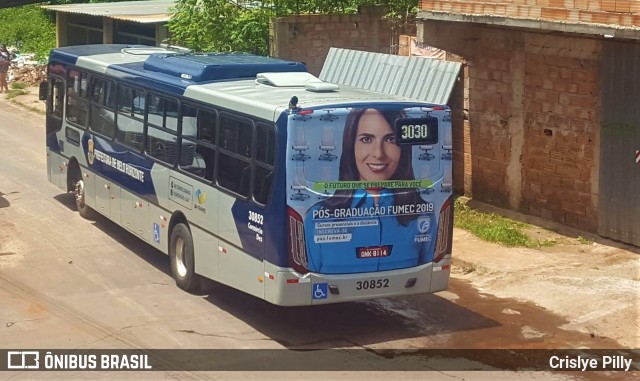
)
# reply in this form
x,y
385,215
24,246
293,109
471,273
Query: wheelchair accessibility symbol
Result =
x,y
156,233
320,291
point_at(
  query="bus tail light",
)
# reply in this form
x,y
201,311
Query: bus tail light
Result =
x,y
297,243
445,231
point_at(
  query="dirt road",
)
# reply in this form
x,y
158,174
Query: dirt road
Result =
x,y
594,286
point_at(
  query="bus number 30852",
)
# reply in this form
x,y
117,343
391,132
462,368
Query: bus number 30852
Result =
x,y
371,284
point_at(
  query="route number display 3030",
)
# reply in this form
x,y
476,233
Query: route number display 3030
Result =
x,y
417,131
414,131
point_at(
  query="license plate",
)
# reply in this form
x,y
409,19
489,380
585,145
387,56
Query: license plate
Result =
x,y
373,251
372,284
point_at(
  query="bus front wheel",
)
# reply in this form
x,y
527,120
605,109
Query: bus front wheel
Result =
x,y
182,260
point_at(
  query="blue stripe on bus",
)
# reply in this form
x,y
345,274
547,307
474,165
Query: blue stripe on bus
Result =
x,y
114,165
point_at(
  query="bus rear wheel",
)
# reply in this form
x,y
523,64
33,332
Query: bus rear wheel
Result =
x,y
83,209
182,260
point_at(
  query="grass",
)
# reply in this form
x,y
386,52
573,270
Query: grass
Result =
x,y
584,241
494,228
17,88
30,108
15,92
468,268
18,85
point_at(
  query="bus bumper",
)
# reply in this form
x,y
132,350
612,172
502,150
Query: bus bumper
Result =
x,y
286,287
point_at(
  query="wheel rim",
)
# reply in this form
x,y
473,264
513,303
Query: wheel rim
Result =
x,y
181,266
80,194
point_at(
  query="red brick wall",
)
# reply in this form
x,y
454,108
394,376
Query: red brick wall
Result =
x,y
307,38
530,141
562,129
610,12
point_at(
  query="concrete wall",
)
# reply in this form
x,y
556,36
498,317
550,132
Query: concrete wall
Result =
x,y
307,38
530,141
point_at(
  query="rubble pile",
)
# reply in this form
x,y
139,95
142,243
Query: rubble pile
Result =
x,y
29,74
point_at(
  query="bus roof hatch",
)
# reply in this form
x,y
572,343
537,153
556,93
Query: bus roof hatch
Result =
x,y
309,81
204,67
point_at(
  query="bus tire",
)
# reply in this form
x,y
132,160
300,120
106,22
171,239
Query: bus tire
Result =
x,y
182,258
79,193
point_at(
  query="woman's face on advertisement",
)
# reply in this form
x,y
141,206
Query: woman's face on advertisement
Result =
x,y
376,152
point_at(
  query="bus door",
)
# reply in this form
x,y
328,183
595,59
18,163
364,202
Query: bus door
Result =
x,y
363,188
54,117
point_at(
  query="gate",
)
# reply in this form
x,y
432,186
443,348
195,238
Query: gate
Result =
x,y
619,203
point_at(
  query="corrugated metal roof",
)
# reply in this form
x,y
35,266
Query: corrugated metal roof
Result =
x,y
419,78
152,11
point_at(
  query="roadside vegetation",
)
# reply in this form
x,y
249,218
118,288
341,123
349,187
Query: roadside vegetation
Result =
x,y
201,25
222,25
17,88
584,241
494,228
29,29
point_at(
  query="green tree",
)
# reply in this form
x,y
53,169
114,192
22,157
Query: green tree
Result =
x,y
32,29
204,25
226,25
28,28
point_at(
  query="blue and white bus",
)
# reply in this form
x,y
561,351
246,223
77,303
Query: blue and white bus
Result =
x,y
253,173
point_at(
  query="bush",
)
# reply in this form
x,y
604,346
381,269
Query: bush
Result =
x,y
18,85
30,29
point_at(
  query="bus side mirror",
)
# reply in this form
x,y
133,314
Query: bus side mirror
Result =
x,y
44,89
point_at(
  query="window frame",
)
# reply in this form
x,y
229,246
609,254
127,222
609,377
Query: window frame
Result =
x,y
132,115
83,101
234,155
271,128
51,79
196,140
91,104
150,125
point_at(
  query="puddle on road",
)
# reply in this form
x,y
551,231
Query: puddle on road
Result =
x,y
520,334
520,324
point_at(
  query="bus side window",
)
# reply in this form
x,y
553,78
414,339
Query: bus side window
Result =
x,y
77,98
57,97
265,159
162,129
236,136
130,126
262,184
198,141
102,115
55,104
